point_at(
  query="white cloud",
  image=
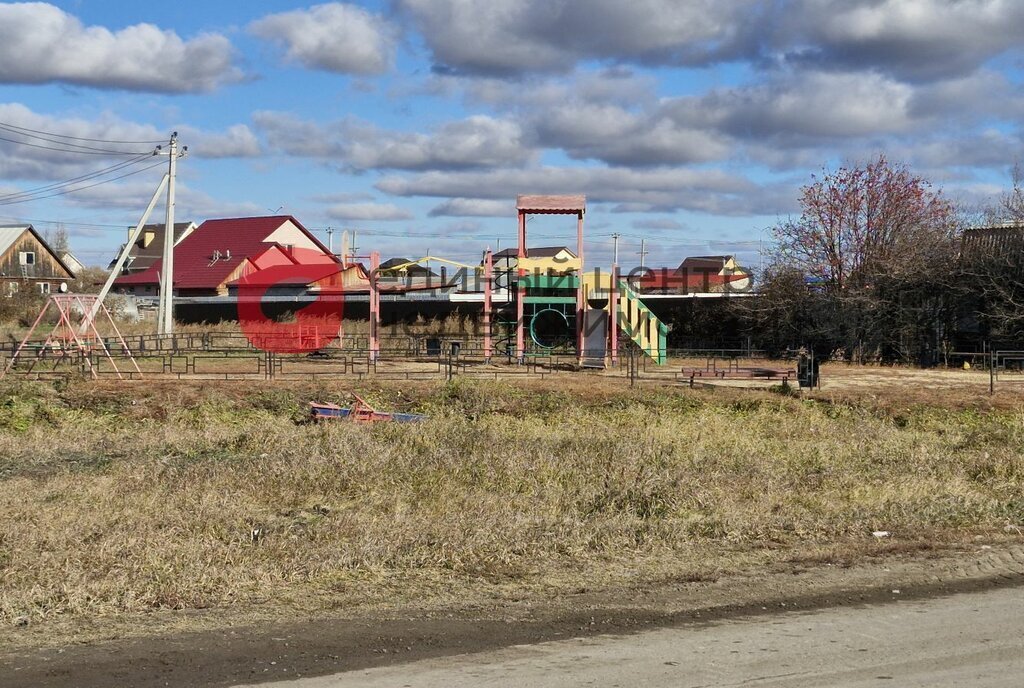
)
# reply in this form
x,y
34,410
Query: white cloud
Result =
x,y
237,141
335,37
53,161
385,212
40,43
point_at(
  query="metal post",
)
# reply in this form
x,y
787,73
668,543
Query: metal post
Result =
x,y
581,302
488,280
520,290
992,372
613,307
374,307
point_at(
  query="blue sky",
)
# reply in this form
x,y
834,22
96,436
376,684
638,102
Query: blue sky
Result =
x,y
416,122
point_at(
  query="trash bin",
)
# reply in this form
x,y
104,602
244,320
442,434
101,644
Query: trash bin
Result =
x,y
807,371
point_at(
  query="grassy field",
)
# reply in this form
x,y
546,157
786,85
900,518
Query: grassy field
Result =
x,y
120,500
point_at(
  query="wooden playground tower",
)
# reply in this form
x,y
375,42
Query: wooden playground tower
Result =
x,y
547,205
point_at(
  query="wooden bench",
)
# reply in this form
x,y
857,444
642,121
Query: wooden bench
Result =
x,y
783,375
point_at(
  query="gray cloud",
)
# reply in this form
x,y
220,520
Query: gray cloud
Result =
x,y
473,207
666,189
797,108
335,37
486,37
40,43
475,142
385,212
620,137
661,223
920,40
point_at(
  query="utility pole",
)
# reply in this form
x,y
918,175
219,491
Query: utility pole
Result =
x,y
330,240
643,252
165,318
615,252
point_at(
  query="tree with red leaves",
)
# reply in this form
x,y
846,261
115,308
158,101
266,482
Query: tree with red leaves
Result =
x,y
865,268
862,222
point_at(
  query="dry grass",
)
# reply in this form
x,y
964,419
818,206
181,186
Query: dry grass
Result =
x,y
119,500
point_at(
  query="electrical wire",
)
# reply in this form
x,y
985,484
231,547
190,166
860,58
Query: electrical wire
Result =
x,y
80,178
76,138
65,150
82,188
68,146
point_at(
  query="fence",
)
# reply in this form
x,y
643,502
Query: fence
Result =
x,y
231,356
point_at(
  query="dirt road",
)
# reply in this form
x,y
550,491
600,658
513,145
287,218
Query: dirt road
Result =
x,y
937,594
963,640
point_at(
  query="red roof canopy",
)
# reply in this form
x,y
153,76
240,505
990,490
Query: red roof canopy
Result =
x,y
552,205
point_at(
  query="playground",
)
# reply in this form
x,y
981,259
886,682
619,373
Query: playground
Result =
x,y
543,314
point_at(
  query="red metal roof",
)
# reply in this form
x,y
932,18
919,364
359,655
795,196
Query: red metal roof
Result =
x,y
535,252
293,275
551,204
669,278
194,264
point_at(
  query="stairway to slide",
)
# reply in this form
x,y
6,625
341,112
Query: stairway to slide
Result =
x,y
642,326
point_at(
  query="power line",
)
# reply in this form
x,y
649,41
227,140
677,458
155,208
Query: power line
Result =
x,y
72,147
82,188
76,138
66,150
83,177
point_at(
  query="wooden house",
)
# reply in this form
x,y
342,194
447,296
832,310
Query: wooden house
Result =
x,y
28,262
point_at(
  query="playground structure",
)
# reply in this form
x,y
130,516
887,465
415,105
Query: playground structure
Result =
x,y
74,342
593,305
540,298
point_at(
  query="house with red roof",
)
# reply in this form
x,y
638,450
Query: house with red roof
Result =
x,y
696,274
220,252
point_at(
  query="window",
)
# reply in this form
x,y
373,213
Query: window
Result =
x,y
44,287
27,257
